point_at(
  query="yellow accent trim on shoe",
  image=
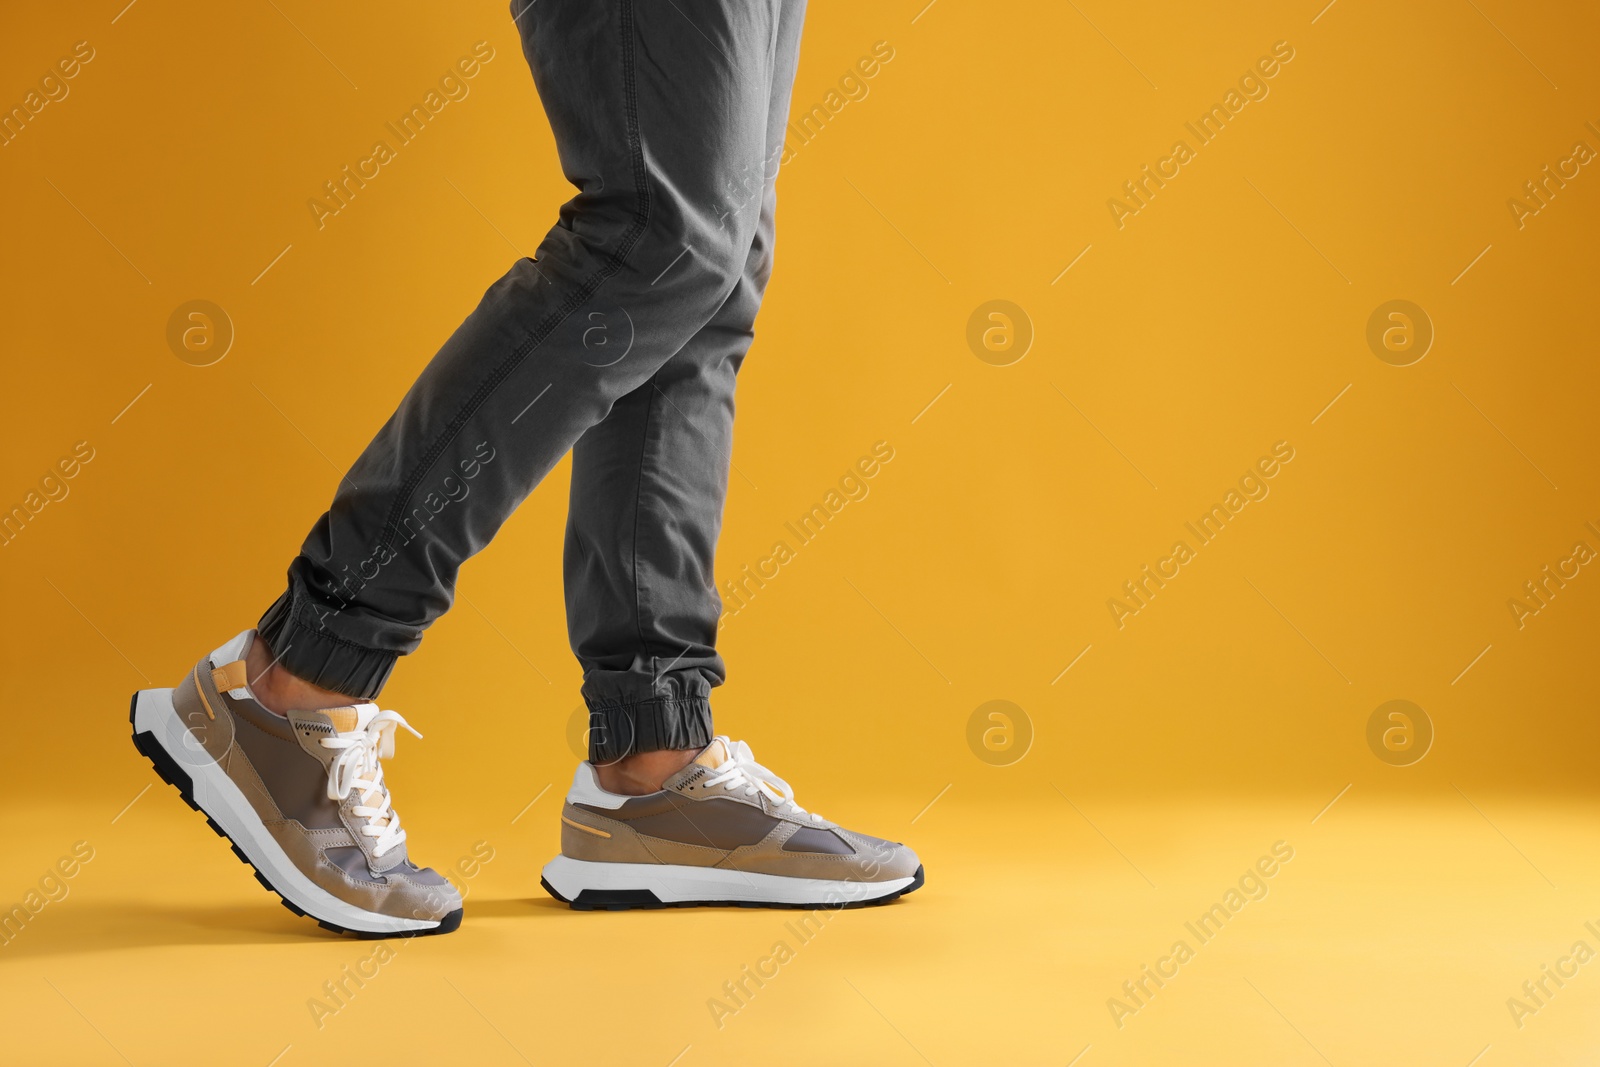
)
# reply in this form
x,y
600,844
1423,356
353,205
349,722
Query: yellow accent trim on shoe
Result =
x,y
344,719
585,829
229,676
198,688
713,755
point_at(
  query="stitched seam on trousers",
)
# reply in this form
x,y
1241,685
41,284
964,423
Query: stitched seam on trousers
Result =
x,y
574,300
638,501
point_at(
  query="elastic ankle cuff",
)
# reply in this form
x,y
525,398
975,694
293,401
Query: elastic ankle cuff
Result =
x,y
309,651
622,729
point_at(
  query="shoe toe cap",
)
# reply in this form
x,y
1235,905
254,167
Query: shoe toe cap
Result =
x,y
424,893
881,860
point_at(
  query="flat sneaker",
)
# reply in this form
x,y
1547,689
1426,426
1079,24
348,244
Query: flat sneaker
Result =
x,y
301,799
724,830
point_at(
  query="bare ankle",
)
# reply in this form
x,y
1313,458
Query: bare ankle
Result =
x,y
281,692
643,772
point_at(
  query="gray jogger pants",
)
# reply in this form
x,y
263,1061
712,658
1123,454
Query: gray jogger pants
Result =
x,y
620,341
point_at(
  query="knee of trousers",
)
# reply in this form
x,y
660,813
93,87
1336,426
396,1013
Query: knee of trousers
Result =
x,y
681,254
720,254
719,232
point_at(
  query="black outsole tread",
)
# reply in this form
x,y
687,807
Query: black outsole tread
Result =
x,y
168,770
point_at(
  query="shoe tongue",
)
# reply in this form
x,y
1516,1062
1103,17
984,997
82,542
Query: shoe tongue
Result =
x,y
713,755
354,717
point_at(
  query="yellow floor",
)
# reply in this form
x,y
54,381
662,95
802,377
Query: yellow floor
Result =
x,y
1396,934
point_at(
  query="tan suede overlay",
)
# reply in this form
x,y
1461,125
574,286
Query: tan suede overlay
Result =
x,y
299,762
872,860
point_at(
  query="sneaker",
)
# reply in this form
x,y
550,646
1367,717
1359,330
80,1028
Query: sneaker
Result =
x,y
724,830
301,799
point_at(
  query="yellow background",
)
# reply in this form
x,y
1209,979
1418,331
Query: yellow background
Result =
x,y
1227,315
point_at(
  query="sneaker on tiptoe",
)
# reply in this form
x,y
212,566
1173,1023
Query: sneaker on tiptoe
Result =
x,y
724,830
302,799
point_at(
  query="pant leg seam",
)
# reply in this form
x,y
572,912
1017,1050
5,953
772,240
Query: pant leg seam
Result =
x,y
575,298
638,502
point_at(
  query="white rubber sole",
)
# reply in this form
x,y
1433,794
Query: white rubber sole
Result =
x,y
213,792
588,884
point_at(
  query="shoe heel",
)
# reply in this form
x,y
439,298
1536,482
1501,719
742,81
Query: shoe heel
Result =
x,y
148,712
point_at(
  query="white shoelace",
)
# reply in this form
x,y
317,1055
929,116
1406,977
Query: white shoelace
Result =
x,y
740,769
357,767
